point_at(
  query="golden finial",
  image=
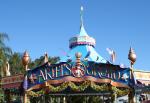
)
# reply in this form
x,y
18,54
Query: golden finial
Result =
x,y
46,84
45,57
25,60
132,56
78,55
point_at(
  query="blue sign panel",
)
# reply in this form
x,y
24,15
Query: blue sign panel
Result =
x,y
78,70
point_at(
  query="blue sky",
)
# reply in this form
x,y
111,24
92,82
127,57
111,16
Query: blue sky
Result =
x,y
47,25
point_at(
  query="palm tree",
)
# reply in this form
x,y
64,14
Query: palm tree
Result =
x,y
15,62
5,52
39,61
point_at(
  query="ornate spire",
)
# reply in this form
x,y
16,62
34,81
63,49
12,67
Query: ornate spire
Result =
x,y
45,57
82,38
81,17
132,56
84,44
82,30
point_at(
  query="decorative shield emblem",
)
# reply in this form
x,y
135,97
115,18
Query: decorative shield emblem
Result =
x,y
78,72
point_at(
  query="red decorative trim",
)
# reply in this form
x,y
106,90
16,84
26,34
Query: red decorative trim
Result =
x,y
12,85
12,81
81,43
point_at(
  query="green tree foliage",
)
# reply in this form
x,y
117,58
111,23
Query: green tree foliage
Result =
x,y
53,60
39,61
16,66
3,60
3,47
5,52
1,96
15,62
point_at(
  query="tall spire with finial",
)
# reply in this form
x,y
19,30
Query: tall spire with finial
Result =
x,y
82,38
84,44
82,30
132,56
81,17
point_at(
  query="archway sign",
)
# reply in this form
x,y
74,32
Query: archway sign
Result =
x,y
78,76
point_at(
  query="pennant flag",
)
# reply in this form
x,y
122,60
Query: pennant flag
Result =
x,y
97,58
112,54
122,65
63,52
88,54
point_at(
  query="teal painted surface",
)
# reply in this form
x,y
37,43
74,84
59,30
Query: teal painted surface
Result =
x,y
85,50
82,31
88,52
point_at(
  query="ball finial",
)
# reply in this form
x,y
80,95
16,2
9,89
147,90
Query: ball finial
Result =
x,y
78,55
81,8
132,56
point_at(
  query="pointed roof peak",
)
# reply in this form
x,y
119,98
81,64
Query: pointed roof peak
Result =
x,y
82,30
82,38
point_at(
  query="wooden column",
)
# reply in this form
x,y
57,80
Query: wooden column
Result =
x,y
131,96
25,61
25,98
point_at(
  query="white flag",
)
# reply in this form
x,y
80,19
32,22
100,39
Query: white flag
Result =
x,y
112,54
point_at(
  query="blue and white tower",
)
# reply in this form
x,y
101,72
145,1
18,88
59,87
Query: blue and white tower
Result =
x,y
84,44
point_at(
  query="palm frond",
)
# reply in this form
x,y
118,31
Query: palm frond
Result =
x,y
2,44
4,36
7,52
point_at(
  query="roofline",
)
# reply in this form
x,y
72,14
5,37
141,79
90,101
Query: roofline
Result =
x,y
141,71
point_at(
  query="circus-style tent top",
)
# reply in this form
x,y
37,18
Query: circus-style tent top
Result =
x,y
84,44
81,72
